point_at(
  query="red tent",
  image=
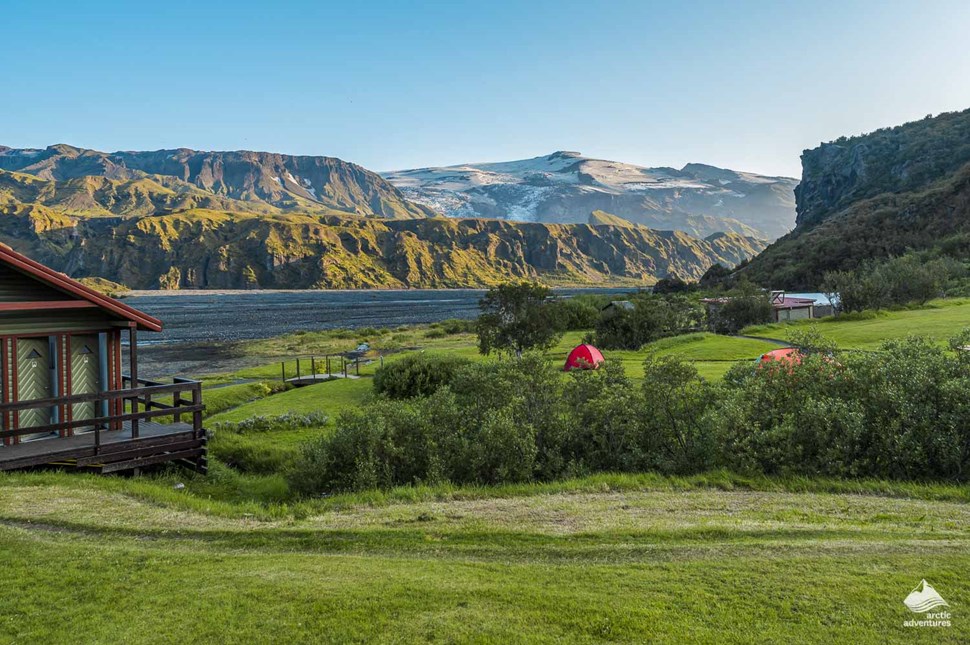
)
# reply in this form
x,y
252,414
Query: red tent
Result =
x,y
583,357
788,355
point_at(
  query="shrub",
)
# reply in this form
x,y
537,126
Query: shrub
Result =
x,y
576,314
650,319
896,282
458,326
747,305
900,413
675,401
260,423
416,374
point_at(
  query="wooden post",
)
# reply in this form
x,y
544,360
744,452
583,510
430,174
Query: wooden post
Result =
x,y
298,368
177,403
357,365
133,359
328,364
283,370
313,366
197,415
4,370
344,361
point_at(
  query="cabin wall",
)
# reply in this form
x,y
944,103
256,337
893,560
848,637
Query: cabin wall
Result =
x,y
16,287
785,315
108,352
32,323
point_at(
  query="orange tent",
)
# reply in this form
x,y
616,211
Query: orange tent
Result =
x,y
787,355
583,357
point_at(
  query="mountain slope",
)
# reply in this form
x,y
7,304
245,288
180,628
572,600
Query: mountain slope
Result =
x,y
565,187
873,196
164,180
212,249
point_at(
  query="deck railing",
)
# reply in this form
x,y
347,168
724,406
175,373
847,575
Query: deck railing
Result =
x,y
138,401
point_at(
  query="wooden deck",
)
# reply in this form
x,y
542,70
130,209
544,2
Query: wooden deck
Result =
x,y
135,441
156,441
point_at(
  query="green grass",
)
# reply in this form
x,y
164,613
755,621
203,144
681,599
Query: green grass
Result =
x,y
330,397
221,399
712,355
717,559
939,320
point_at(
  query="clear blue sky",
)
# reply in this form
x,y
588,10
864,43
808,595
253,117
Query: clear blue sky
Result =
x,y
392,85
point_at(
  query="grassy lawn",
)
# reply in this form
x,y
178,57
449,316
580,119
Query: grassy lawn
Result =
x,y
713,355
329,397
940,320
714,558
608,558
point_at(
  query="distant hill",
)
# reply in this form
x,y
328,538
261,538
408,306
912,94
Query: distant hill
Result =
x,y
565,187
91,183
212,249
873,196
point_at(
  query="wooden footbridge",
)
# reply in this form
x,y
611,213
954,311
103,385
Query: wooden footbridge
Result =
x,y
324,368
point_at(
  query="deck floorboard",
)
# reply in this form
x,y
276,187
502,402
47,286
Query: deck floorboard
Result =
x,y
78,444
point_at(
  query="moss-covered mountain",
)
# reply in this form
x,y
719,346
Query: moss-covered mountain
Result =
x,y
177,219
873,196
93,183
215,249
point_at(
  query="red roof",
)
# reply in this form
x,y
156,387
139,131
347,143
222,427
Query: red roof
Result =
x,y
583,357
72,287
793,303
784,303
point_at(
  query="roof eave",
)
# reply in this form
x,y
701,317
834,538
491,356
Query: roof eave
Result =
x,y
60,281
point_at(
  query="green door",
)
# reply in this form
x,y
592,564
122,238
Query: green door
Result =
x,y
85,376
34,382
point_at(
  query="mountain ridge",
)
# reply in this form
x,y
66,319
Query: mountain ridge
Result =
x,y
564,187
188,219
277,181
212,249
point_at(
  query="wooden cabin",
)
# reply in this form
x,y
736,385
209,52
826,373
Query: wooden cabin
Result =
x,y
64,395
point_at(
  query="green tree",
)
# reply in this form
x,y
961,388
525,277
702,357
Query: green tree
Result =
x,y
650,319
517,317
746,305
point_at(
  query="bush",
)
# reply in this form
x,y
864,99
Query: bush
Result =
x,y
260,423
650,319
896,282
517,317
900,413
747,305
457,326
416,375
576,314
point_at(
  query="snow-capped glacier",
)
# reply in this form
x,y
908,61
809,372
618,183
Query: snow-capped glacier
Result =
x,y
565,187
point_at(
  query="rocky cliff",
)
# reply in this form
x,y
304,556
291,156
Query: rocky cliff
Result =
x,y
876,195
906,158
